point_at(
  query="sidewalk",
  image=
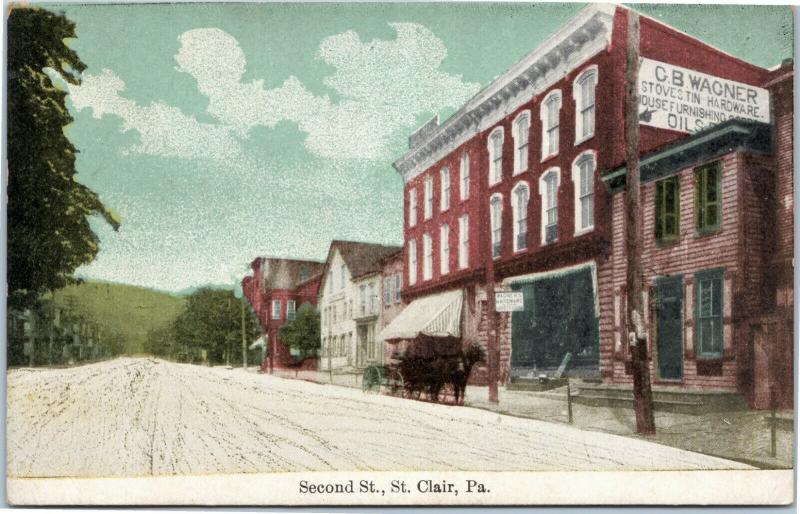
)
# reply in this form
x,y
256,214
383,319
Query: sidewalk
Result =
x,y
743,436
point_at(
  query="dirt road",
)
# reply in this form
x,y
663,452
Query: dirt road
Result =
x,y
139,417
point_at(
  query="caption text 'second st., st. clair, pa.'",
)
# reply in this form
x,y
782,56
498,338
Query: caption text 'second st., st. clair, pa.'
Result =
x,y
393,487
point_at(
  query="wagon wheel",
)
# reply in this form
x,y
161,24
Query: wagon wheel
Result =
x,y
372,379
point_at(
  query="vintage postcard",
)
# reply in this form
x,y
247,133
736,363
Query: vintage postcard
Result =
x,y
399,254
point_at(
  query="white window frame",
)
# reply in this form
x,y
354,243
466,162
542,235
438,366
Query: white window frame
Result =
x,y
427,257
444,249
444,189
398,285
412,207
463,177
520,216
273,314
547,129
344,277
589,73
427,206
373,298
463,241
589,155
495,161
387,291
496,224
521,133
412,262
544,201
291,310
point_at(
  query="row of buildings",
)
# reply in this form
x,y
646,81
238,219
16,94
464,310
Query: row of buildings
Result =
x,y
521,190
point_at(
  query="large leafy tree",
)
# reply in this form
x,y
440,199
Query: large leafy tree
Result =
x,y
303,333
48,210
211,321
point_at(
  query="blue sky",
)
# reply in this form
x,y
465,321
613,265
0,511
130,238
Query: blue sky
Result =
x,y
222,132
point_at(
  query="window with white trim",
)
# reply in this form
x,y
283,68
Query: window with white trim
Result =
x,y
412,207
344,276
412,262
548,189
428,200
583,180
463,177
444,249
521,134
387,291
427,257
549,114
519,206
496,219
583,90
373,299
444,187
495,146
276,309
291,312
463,241
398,284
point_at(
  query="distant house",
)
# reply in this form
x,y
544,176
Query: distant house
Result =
x,y
276,290
392,302
350,304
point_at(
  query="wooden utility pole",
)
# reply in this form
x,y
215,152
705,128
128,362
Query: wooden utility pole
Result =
x,y
637,336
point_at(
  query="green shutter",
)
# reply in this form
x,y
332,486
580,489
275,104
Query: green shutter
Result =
x,y
667,210
707,198
708,309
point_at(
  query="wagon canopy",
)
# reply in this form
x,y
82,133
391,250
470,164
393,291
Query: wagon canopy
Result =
x,y
436,315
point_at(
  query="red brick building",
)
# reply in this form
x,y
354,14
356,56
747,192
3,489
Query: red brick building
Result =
x,y
276,289
506,195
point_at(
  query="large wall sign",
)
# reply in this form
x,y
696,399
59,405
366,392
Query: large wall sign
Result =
x,y
675,98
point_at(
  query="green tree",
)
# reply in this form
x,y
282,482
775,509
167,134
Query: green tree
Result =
x,y
48,210
212,321
303,333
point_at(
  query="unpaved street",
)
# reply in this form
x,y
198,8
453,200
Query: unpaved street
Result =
x,y
138,416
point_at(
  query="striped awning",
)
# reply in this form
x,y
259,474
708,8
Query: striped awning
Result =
x,y
437,315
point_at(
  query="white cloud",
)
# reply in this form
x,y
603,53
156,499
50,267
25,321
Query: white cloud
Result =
x,y
383,86
163,130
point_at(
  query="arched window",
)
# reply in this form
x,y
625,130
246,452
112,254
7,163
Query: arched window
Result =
x,y
583,93
463,241
464,177
412,207
521,132
548,189
496,219
519,206
549,114
444,186
427,207
427,257
495,146
412,262
444,249
583,180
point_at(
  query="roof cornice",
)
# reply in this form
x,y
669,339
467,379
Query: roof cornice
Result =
x,y
582,37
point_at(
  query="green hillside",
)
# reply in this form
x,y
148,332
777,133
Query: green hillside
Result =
x,y
128,311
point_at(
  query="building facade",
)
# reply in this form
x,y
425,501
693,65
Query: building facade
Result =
x,y
392,300
276,290
350,304
507,195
